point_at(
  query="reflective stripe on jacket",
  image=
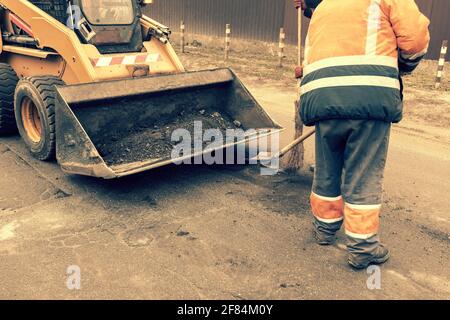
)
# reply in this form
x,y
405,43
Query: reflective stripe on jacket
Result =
x,y
352,53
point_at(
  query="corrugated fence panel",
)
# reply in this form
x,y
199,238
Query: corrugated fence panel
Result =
x,y
250,19
262,19
440,27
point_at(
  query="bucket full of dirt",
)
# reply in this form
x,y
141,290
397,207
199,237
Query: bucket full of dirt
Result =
x,y
117,128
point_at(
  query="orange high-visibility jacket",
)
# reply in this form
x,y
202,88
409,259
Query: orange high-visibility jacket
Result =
x,y
353,53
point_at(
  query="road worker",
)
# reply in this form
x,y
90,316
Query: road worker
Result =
x,y
351,92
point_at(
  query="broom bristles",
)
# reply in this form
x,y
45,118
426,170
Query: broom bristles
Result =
x,y
293,161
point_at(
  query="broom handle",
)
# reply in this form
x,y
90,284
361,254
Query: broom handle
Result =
x,y
299,140
299,44
296,142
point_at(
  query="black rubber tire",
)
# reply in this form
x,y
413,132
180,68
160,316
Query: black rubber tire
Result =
x,y
41,90
8,83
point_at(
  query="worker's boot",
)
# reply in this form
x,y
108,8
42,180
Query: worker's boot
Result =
x,y
363,253
325,233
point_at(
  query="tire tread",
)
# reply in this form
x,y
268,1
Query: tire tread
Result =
x,y
45,85
8,80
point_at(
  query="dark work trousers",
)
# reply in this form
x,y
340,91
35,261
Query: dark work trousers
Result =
x,y
350,161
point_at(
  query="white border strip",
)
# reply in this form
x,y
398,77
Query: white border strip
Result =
x,y
359,236
329,220
371,81
373,25
363,206
104,62
326,198
415,55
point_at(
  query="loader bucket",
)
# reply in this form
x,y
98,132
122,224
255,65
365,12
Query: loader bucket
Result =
x,y
118,128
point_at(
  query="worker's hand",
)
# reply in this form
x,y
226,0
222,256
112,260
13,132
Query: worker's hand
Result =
x,y
299,4
298,72
405,73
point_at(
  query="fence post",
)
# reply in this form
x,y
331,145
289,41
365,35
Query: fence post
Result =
x,y
441,63
281,47
227,40
182,28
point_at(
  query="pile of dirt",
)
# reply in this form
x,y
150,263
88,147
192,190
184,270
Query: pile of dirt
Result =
x,y
155,142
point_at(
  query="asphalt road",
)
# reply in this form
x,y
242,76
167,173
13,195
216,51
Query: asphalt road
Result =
x,y
192,232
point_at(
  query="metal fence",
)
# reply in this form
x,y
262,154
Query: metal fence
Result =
x,y
262,19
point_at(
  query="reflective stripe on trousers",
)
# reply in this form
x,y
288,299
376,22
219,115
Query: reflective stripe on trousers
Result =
x,y
350,161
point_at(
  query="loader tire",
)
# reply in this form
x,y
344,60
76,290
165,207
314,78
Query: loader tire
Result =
x,y
8,83
34,108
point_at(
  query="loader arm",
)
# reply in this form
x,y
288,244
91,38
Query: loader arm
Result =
x,y
162,33
50,33
84,62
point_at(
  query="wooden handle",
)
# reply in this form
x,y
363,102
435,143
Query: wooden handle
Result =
x,y
296,142
299,34
295,150
299,44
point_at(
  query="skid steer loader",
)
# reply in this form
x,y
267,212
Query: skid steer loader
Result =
x,y
97,84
